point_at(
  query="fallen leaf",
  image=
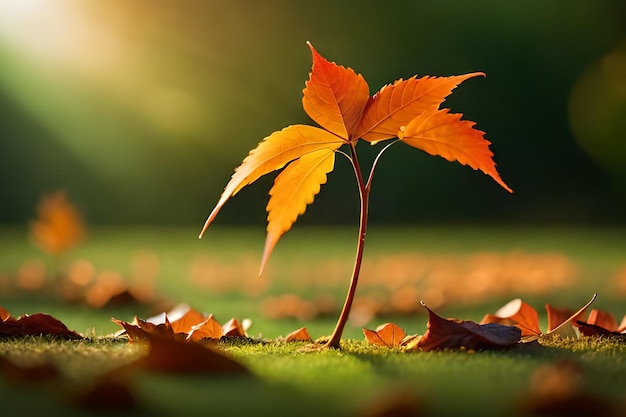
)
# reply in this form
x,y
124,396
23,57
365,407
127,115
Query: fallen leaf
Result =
x,y
300,335
183,318
556,316
518,313
233,328
208,329
601,323
175,356
36,325
388,335
457,334
4,314
602,319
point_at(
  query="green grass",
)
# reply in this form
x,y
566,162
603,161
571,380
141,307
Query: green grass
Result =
x,y
292,382
310,262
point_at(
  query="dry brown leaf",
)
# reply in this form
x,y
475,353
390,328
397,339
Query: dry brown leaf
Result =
x,y
36,325
457,334
300,335
138,329
58,226
388,335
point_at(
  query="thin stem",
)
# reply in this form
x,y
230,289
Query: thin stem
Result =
x,y
364,190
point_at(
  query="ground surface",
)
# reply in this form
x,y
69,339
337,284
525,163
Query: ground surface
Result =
x,y
463,272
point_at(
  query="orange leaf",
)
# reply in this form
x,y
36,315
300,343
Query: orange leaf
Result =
x,y
522,315
556,316
388,334
233,328
186,318
300,335
395,105
602,319
208,329
293,190
4,314
335,96
445,134
273,153
58,226
571,321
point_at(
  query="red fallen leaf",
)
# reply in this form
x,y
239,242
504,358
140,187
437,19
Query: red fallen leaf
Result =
x,y
518,313
388,334
36,325
28,374
300,335
208,329
456,334
174,356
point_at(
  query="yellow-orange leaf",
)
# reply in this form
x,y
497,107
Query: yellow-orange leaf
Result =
x,y
396,104
521,314
446,135
388,334
293,190
58,226
602,319
335,96
208,329
273,153
300,335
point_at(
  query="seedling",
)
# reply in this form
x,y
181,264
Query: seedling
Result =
x,y
338,100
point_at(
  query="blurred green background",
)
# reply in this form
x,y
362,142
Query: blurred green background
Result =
x,y
140,110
